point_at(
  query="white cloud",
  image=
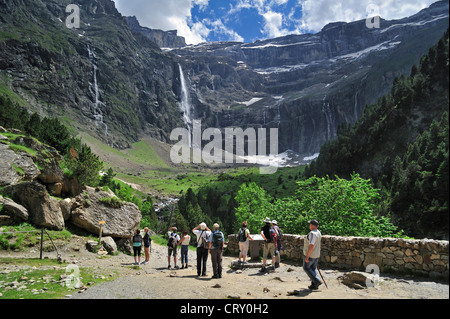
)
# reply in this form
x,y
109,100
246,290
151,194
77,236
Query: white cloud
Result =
x,y
273,24
278,17
273,21
218,27
166,15
318,13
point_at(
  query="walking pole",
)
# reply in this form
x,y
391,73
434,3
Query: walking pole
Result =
x,y
42,242
322,277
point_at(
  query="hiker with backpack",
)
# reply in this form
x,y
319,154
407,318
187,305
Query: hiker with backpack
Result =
x,y
216,242
174,238
137,244
203,233
270,244
278,247
244,236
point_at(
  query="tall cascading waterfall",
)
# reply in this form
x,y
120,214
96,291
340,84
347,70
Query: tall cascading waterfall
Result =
x,y
185,104
329,118
93,87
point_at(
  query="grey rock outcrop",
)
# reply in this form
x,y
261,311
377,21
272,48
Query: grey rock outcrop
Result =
x,y
16,211
88,210
109,244
164,39
44,211
16,167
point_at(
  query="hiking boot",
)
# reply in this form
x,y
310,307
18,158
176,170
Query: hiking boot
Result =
x,y
315,286
168,267
263,269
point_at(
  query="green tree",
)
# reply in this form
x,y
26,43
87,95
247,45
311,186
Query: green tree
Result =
x,y
86,167
253,206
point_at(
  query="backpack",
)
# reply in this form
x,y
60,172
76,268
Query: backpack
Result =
x,y
217,239
272,235
241,235
137,241
172,243
205,240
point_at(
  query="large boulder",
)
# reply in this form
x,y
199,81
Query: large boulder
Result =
x,y
51,173
91,207
71,187
43,210
17,212
109,244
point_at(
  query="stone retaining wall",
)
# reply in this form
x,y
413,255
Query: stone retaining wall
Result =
x,y
421,257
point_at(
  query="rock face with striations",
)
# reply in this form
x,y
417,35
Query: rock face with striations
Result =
x,y
164,39
26,193
44,211
114,83
89,209
307,85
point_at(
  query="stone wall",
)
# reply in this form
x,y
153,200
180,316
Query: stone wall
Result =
x,y
425,257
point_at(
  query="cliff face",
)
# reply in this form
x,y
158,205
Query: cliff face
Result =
x,y
307,85
108,79
164,39
100,78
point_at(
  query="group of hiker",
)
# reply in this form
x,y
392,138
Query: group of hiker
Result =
x,y
211,242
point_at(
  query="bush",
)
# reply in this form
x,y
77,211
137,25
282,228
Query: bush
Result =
x,y
343,208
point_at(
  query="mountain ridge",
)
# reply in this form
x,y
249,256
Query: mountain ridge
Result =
x,y
128,88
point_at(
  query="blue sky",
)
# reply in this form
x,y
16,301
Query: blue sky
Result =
x,y
251,20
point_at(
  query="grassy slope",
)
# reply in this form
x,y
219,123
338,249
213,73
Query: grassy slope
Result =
x,y
147,164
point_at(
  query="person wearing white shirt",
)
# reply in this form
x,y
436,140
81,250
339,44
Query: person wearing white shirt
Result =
x,y
184,242
203,233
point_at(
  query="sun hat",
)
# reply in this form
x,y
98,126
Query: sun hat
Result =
x,y
267,220
203,226
314,222
274,222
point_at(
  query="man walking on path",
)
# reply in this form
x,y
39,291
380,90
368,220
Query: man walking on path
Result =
x,y
216,242
311,251
202,232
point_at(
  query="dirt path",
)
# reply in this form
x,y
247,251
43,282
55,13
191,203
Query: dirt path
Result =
x,y
155,281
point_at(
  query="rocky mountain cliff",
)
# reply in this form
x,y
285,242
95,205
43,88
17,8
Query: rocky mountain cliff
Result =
x,y
35,189
98,78
307,85
164,39
108,79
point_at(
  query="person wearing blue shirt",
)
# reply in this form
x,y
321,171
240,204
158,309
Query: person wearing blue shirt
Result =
x,y
216,243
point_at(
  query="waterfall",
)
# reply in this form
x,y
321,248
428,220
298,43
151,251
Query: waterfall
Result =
x,y
355,110
185,105
97,110
329,117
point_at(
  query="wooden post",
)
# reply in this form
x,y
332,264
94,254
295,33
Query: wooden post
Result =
x,y
42,241
100,235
